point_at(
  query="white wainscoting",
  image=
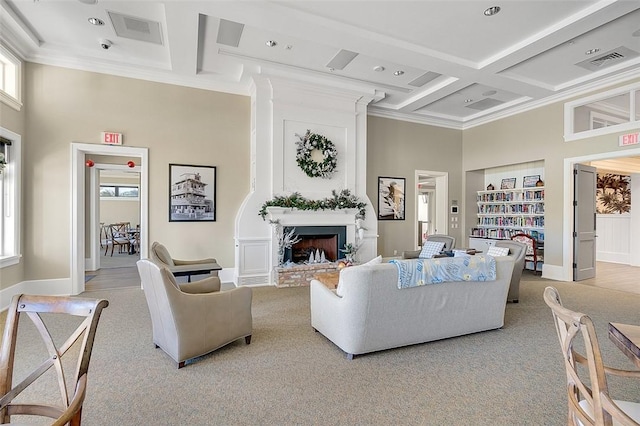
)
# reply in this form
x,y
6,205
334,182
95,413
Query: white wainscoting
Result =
x,y
614,238
50,287
254,265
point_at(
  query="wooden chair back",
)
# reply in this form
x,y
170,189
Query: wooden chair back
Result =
x,y
78,345
532,254
588,393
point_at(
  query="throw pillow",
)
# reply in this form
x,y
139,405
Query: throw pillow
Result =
x,y
498,251
430,249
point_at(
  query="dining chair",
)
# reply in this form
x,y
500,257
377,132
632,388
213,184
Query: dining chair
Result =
x,y
533,253
117,237
74,352
589,400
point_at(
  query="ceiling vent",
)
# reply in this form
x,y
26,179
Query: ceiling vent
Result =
x,y
485,104
342,59
424,79
135,28
229,33
607,59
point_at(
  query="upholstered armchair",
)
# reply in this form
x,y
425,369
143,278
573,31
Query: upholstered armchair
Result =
x,y
449,244
181,268
517,250
190,324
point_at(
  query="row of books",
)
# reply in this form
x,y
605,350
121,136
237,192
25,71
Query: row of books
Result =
x,y
533,208
507,196
506,234
522,221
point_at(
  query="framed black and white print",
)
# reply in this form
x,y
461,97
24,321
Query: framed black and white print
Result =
x,y
192,193
391,204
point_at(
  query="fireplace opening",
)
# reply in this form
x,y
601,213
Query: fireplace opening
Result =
x,y
321,241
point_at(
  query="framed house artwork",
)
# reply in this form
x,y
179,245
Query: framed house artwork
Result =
x,y
192,193
391,197
508,183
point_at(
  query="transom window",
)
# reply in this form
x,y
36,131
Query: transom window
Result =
x,y
609,112
119,191
10,172
10,79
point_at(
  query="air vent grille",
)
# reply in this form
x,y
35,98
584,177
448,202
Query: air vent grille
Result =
x,y
610,58
485,104
135,28
424,79
255,280
342,59
229,33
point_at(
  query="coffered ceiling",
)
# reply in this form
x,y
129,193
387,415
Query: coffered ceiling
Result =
x,y
436,62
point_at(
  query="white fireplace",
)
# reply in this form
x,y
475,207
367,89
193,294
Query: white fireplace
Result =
x,y
280,110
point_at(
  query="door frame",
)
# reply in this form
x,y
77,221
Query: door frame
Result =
x,y
79,153
441,199
567,218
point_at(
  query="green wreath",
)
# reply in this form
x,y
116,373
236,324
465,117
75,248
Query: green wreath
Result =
x,y
309,143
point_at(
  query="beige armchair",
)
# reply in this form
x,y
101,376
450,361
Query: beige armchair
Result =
x,y
182,268
517,250
187,325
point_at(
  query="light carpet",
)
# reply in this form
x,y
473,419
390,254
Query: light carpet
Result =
x,y
291,375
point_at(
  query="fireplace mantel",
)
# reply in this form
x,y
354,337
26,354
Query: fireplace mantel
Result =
x,y
291,217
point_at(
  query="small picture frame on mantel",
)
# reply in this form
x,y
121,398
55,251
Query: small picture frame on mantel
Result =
x,y
508,183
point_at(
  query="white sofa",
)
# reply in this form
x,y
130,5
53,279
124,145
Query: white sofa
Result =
x,y
370,313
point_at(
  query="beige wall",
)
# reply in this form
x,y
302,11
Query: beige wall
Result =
x,y
13,120
530,136
177,124
397,149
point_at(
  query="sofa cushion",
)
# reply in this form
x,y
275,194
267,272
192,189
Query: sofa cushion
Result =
x,y
374,261
498,251
430,249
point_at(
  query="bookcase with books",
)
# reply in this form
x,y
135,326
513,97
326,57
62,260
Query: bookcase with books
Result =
x,y
505,213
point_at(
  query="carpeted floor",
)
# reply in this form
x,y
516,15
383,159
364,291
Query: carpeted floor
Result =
x,y
292,375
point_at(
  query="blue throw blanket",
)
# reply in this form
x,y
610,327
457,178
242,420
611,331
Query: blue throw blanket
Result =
x,y
417,272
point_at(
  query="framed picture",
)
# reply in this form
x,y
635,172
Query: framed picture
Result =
x,y
391,191
192,193
530,181
508,183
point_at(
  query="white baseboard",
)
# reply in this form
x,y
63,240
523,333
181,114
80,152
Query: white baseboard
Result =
x,y
612,257
554,272
51,287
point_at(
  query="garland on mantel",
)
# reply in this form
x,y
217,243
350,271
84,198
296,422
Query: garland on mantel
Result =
x,y
342,200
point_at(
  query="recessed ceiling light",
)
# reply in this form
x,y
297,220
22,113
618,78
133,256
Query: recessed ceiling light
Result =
x,y
332,69
466,101
271,43
378,68
398,73
288,47
96,21
591,51
491,11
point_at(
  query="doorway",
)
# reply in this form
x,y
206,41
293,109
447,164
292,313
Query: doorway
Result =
x,y
79,154
568,221
432,193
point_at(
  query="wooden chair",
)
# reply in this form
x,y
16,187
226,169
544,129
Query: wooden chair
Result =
x,y
533,253
589,400
80,341
117,237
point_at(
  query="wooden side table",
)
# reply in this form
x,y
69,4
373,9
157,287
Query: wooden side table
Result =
x,y
329,279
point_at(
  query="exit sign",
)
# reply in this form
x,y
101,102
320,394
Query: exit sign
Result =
x,y
111,138
629,139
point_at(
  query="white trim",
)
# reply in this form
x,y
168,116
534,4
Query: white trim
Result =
x,y
14,100
441,225
49,287
567,216
77,241
13,196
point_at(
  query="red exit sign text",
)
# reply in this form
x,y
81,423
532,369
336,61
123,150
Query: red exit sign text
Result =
x,y
111,138
629,139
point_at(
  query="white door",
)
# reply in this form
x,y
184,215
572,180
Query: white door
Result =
x,y
584,222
